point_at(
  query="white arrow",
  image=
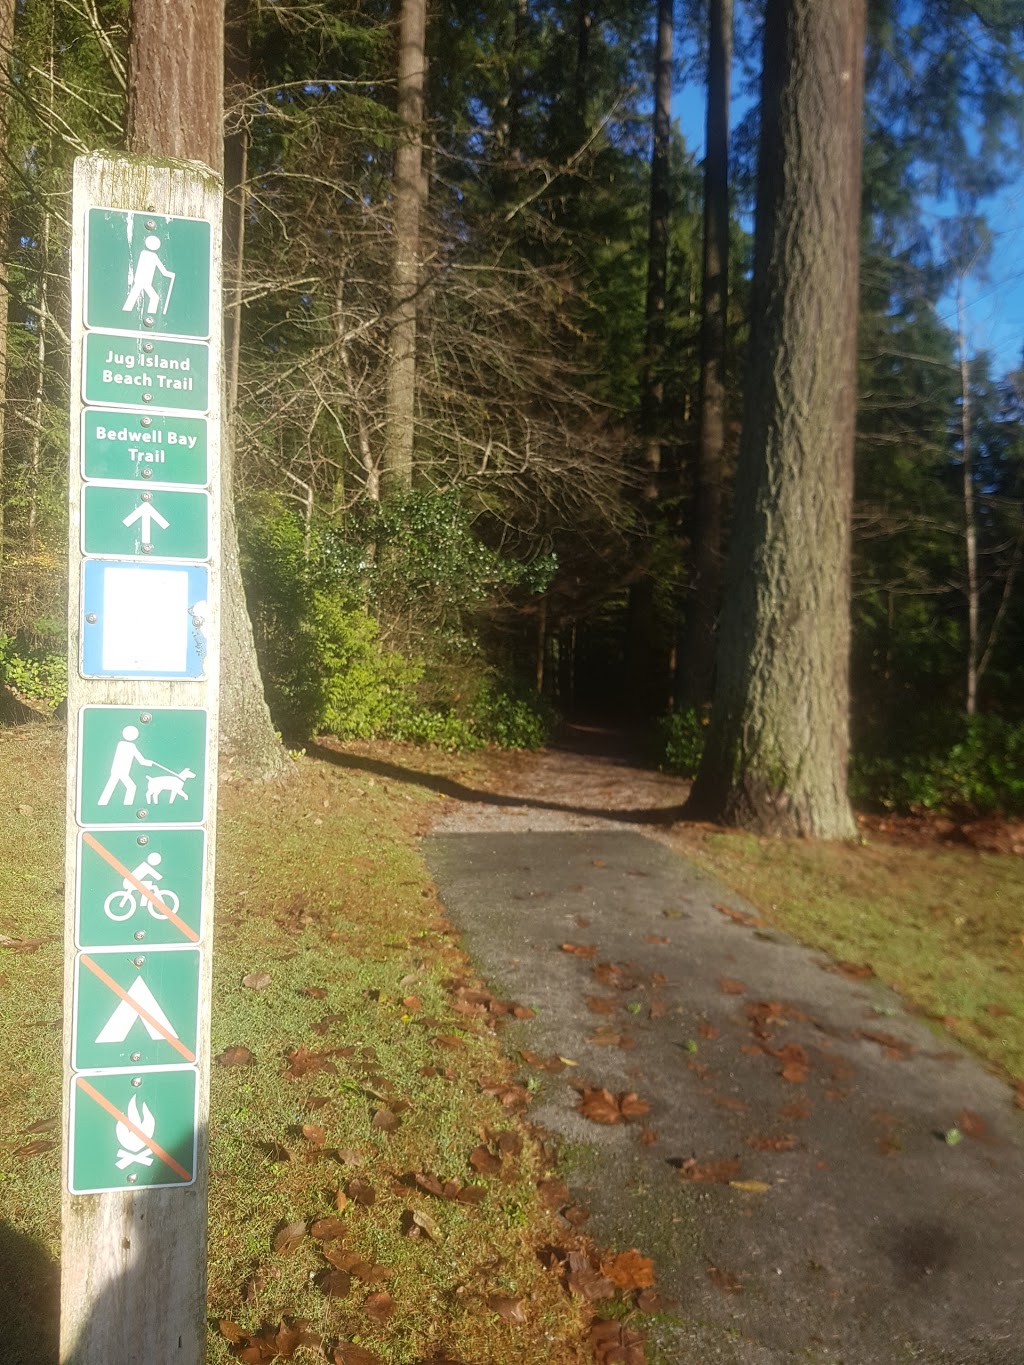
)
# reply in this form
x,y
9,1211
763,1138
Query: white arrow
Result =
x,y
124,1018
147,514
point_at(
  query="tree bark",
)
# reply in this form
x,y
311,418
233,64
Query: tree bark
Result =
x,y
176,109
970,515
405,266
6,46
777,750
645,682
697,672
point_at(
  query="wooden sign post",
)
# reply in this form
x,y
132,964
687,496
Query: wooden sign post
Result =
x,y
143,660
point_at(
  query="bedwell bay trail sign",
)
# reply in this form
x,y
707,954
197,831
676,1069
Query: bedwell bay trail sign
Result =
x,y
143,624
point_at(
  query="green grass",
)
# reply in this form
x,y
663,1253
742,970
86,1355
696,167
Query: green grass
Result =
x,y
943,927
319,884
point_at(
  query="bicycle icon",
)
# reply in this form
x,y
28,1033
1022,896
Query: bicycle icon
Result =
x,y
121,905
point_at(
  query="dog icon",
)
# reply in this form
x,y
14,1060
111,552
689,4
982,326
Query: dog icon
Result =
x,y
174,783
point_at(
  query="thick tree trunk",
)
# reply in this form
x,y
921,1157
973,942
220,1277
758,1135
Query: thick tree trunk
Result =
x,y
697,670
176,109
776,757
405,265
646,681
6,46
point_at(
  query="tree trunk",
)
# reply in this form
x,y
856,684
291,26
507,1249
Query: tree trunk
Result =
x,y
777,750
236,173
405,274
176,109
645,680
970,515
697,672
6,46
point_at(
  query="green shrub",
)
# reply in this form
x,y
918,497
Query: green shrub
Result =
x,y
977,771
39,675
681,740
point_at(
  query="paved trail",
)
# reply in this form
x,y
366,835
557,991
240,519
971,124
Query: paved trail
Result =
x,y
876,1242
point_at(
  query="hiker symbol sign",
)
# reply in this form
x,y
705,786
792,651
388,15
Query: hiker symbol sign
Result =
x,y
137,765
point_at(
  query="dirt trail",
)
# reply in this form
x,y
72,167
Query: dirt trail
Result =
x,y
791,1177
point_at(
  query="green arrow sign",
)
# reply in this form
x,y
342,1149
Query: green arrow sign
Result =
x,y
147,272
121,520
146,373
135,1008
141,765
132,1130
136,889
161,448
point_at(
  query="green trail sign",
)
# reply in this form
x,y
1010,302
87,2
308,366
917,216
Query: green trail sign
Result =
x,y
139,889
124,521
147,272
146,373
129,1130
135,1008
138,765
161,448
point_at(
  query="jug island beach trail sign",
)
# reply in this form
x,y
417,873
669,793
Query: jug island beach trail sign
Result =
x,y
144,654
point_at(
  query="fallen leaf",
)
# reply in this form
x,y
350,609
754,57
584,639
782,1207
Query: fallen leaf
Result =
x,y
415,1221
328,1229
598,862
612,1343
386,1120
799,1109
1018,1095
553,1193
289,1237
348,1353
484,1161
231,1330
656,938
379,1306
707,1031
728,986
750,1186
335,1284
972,1125
314,992
361,1192
314,1133
631,1106
236,1055
856,971
21,945
739,917
41,1126
601,1004
629,1270
580,949
722,1280
720,1172
510,1310
647,1137
257,981
893,1047
36,1148
772,1144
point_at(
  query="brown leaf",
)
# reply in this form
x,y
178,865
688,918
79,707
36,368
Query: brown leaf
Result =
x,y
728,986
629,1270
334,1283
631,1106
348,1353
588,1283
760,1143
21,945
379,1306
362,1193
609,1036
254,1287
328,1229
509,1143
600,1106
289,1237
553,1193
707,1031
799,1109
415,1221
236,1055
231,1330
656,938
658,1010
314,992
722,1280
41,1126
601,1004
449,1041
35,1148
708,1172
257,981
647,1137
412,1003
972,1125
484,1161
856,971
612,1343
315,1133
739,917
893,1047
511,1310
386,1120
1018,1095
580,949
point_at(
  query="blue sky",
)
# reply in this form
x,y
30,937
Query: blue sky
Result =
x,y
994,301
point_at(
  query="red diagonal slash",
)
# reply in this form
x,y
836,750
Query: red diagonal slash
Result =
x,y
143,890
143,1013
114,1112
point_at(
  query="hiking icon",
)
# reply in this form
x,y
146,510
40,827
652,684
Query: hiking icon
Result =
x,y
140,280
127,753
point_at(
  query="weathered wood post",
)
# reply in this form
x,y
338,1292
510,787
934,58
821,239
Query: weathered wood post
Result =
x,y
144,654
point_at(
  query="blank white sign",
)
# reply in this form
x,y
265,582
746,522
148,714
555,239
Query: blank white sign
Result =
x,y
146,620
